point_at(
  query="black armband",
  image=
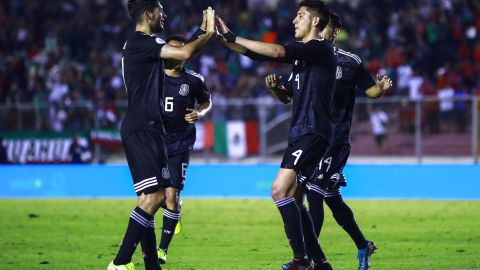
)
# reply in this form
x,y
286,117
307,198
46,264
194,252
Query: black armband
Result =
x,y
195,35
230,37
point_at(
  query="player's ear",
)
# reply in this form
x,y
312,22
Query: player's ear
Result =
x,y
316,21
147,15
337,31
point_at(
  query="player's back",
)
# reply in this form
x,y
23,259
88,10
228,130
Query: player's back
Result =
x,y
143,74
350,74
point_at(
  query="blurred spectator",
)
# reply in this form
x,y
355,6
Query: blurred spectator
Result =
x,y
3,153
461,109
414,86
69,53
379,121
446,106
431,106
79,153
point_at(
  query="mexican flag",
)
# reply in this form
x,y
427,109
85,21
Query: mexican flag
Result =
x,y
236,139
204,136
106,137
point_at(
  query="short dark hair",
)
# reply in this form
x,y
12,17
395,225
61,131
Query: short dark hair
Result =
x,y
335,20
320,9
136,8
178,38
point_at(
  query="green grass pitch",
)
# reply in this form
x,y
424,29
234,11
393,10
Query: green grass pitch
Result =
x,y
237,234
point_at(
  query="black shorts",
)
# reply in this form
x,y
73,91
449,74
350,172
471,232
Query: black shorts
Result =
x,y
147,161
178,164
303,156
334,161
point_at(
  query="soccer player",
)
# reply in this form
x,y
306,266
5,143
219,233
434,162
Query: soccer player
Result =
x,y
350,74
183,88
310,87
142,132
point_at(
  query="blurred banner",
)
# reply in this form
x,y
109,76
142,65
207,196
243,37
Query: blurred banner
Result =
x,y
46,147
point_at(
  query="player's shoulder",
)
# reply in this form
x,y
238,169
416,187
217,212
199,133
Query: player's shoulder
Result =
x,y
195,75
140,37
349,56
320,42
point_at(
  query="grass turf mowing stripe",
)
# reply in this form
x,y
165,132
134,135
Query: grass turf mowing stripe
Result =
x,y
237,234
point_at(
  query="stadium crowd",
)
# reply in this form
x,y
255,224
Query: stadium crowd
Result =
x,y
59,54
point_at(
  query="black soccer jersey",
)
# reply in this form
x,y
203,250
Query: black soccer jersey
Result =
x,y
350,74
143,75
181,93
311,84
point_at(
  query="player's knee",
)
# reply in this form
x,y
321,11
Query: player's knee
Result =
x,y
334,202
278,192
172,199
152,202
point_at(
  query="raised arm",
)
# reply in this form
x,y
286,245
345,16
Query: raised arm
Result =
x,y
267,49
188,50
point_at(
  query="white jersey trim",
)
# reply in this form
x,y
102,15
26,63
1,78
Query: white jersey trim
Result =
x,y
193,73
354,56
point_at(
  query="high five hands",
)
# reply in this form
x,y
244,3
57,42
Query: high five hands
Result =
x,y
208,22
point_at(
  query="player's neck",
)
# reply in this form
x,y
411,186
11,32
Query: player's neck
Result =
x,y
312,35
174,72
144,28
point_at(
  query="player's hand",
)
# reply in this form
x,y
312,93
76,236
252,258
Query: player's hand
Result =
x,y
204,21
221,26
273,81
384,82
191,116
210,25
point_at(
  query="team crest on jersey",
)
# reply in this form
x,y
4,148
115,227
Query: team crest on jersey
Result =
x,y
165,173
184,90
339,73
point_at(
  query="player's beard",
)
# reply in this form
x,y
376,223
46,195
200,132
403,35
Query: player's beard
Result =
x,y
157,27
157,24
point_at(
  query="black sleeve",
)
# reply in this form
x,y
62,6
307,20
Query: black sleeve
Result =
x,y
202,95
313,51
363,79
151,49
261,57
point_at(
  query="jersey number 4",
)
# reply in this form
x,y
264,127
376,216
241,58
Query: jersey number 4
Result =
x,y
169,104
297,79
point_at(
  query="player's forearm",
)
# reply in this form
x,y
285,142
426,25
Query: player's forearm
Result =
x,y
268,49
196,45
281,94
374,92
234,47
204,108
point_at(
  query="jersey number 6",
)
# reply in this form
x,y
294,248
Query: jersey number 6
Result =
x,y
169,104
